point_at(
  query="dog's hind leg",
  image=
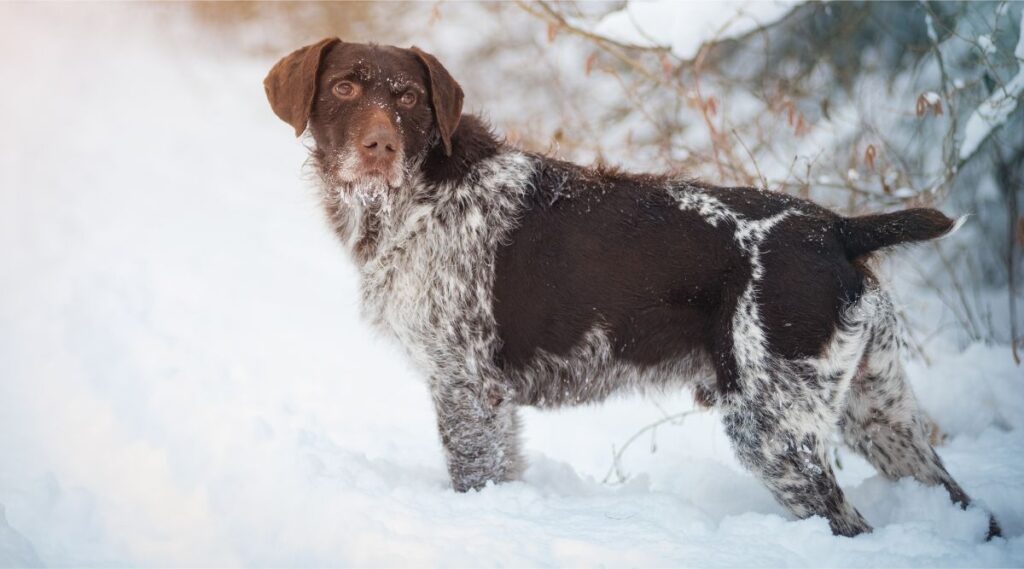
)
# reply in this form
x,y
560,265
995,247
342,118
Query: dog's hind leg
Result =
x,y
782,415
882,421
781,435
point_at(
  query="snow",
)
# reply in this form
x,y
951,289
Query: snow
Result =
x,y
994,111
684,26
930,25
185,379
15,550
986,44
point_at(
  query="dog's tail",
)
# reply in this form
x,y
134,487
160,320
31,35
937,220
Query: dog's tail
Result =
x,y
867,233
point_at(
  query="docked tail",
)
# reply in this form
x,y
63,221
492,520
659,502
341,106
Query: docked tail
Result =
x,y
864,234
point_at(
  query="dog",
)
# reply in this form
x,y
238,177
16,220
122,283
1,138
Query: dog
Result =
x,y
511,278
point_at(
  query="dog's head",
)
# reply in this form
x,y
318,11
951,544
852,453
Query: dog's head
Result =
x,y
374,111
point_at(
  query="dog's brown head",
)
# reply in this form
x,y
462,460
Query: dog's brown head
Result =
x,y
374,111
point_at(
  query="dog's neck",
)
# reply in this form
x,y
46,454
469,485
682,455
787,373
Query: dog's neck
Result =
x,y
472,142
361,216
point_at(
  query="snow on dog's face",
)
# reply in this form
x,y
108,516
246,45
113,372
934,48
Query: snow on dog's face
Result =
x,y
374,111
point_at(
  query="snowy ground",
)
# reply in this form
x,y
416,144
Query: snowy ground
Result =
x,y
184,379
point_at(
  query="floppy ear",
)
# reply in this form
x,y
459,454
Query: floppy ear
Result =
x,y
291,84
446,96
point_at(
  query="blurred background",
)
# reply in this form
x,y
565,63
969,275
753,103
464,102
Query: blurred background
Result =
x,y
184,379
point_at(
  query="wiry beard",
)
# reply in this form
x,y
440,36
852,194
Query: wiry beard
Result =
x,y
342,175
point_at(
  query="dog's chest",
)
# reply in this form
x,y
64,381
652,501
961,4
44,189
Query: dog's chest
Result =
x,y
430,281
430,286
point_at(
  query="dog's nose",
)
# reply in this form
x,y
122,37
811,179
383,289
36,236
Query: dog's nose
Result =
x,y
381,142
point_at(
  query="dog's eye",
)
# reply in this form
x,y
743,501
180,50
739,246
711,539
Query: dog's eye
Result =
x,y
345,89
408,99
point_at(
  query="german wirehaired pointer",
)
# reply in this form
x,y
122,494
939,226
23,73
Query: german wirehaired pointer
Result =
x,y
512,278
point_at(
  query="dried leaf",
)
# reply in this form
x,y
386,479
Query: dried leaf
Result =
x,y
801,125
923,106
869,156
552,31
666,65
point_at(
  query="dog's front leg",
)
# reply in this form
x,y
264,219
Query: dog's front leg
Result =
x,y
479,431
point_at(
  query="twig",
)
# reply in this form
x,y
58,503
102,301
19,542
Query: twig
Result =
x,y
764,181
616,467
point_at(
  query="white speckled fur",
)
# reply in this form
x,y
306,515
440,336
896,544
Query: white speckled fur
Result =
x,y
447,239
